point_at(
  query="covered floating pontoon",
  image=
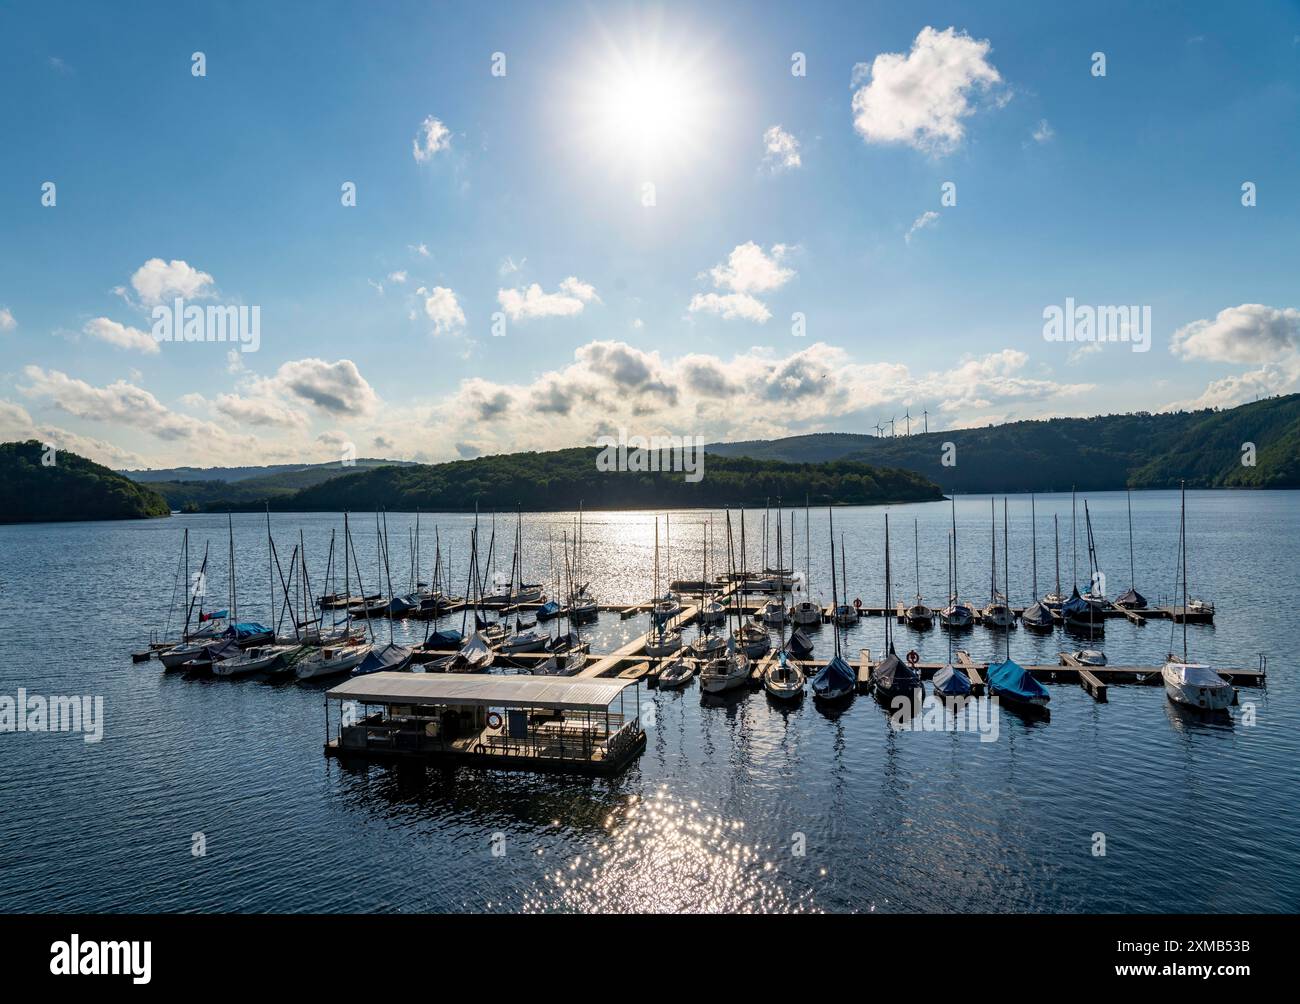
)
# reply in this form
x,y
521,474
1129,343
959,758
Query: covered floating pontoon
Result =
x,y
489,720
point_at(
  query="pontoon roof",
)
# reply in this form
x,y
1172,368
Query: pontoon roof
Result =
x,y
482,690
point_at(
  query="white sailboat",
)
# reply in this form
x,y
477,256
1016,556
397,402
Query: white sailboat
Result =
x,y
1193,684
783,679
918,615
957,615
996,613
805,611
335,659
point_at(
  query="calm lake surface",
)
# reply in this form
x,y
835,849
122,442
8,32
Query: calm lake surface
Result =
x,y
1197,815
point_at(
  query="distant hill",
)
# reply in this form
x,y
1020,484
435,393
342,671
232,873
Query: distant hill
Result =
x,y
72,488
560,479
243,486
1109,452
231,474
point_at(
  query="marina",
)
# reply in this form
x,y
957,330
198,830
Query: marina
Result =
x,y
260,779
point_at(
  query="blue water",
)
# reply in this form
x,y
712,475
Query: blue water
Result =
x,y
1197,815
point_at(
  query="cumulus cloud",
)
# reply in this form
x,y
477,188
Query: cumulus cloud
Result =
x,y
747,270
781,149
443,309
610,384
105,330
1249,333
17,425
432,138
336,388
157,280
922,97
730,306
126,404
530,303
260,411
928,218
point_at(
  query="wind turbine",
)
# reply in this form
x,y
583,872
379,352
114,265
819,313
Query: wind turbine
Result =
x,y
879,429
927,421
893,432
908,415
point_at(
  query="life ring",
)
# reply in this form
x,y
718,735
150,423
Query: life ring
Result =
x,y
494,720
857,603
913,658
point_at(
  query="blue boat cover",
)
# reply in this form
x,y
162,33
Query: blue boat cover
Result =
x,y
391,658
1076,606
450,638
951,682
836,675
241,630
895,676
1015,681
548,610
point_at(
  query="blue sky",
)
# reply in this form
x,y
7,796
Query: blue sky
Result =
x,y
377,319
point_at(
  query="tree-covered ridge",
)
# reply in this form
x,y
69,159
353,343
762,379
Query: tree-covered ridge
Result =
x,y
560,479
72,488
1108,452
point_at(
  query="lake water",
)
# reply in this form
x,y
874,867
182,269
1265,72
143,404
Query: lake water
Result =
x,y
1196,815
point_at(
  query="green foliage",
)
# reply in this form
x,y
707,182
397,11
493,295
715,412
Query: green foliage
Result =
x,y
1108,452
559,480
73,488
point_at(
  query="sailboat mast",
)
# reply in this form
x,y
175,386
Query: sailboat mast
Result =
x,y
388,577
1074,540
1033,524
234,593
1056,536
835,598
347,584
1006,557
1182,538
1132,574
954,547
993,551
916,553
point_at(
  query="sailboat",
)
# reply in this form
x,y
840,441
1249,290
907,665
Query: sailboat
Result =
x,y
782,679
731,669
662,638
774,611
949,681
1131,600
711,611
582,604
1194,685
707,643
337,658
892,677
1011,682
836,680
752,638
1083,613
996,613
805,611
1094,593
918,615
1036,616
1055,599
957,615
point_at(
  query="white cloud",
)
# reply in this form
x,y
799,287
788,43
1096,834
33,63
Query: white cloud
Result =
x,y
16,425
7,322
1249,333
747,270
420,249
781,150
260,411
432,138
105,330
730,306
526,304
921,98
398,277
443,309
1043,132
928,218
126,404
336,388
157,280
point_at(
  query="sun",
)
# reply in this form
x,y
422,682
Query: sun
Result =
x,y
647,105
645,110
